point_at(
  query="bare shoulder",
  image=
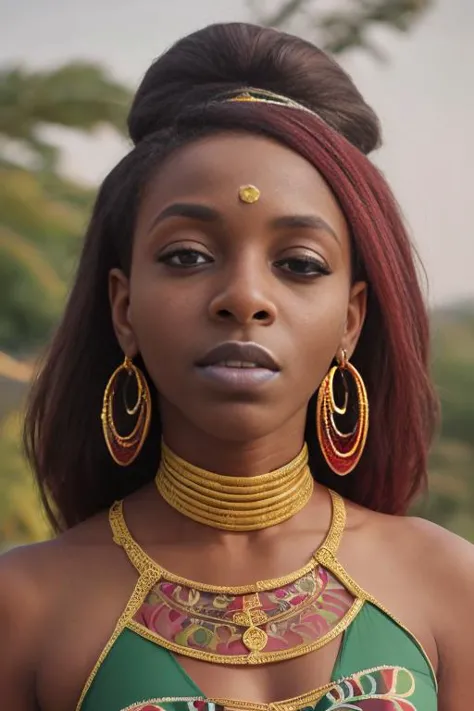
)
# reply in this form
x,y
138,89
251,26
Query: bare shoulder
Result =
x,y
35,580
437,564
30,575
23,608
22,578
432,547
441,555
446,563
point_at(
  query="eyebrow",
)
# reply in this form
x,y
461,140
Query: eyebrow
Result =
x,y
312,222
192,211
204,213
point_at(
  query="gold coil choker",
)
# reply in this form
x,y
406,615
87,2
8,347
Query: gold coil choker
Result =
x,y
235,503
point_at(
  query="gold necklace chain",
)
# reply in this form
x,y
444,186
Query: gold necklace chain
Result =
x,y
235,503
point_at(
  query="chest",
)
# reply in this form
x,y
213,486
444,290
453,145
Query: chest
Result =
x,y
264,644
161,618
297,621
267,684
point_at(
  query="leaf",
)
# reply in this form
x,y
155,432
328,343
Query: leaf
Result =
x,y
346,27
77,95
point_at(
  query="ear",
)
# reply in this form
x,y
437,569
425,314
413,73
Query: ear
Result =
x,y
356,312
119,297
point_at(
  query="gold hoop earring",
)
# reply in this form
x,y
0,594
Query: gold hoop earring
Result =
x,y
342,451
124,449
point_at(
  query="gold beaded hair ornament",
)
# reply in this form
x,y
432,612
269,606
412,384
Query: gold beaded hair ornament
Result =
x,y
262,96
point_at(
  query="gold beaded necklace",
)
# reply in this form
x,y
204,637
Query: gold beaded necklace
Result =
x,y
235,503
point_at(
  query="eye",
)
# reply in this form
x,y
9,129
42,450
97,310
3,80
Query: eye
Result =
x,y
304,266
185,258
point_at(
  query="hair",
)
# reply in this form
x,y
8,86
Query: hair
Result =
x,y
175,104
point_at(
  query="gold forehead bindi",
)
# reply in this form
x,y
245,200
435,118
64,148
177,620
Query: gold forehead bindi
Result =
x,y
249,194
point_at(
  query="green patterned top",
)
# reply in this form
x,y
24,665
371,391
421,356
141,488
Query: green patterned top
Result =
x,y
380,666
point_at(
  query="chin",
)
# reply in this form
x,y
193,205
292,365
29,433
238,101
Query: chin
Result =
x,y
239,423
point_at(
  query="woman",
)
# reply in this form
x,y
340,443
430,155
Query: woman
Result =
x,y
246,287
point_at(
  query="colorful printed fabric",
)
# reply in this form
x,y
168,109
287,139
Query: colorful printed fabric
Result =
x,y
184,704
298,613
384,689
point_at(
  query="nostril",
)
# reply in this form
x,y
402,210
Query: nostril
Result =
x,y
224,313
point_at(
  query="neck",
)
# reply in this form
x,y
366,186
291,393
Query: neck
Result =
x,y
241,458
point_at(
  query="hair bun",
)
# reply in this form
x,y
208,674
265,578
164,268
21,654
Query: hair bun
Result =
x,y
226,56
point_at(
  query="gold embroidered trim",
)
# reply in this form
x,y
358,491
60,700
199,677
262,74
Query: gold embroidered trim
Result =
x,y
142,587
253,657
296,703
328,560
164,700
337,526
142,562
122,537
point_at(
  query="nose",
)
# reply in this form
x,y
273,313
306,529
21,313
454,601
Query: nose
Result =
x,y
245,296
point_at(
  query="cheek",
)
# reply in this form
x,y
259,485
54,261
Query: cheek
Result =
x,y
163,318
317,328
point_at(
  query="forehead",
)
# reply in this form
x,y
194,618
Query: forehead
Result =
x,y
212,170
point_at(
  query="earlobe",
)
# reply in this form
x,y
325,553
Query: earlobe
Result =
x,y
119,298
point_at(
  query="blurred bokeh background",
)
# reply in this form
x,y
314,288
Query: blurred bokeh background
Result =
x,y
67,73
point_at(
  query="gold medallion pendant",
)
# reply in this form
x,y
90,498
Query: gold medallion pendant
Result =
x,y
254,638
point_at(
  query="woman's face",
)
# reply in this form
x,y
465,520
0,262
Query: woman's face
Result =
x,y
211,270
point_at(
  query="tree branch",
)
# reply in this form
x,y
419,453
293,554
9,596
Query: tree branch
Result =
x,y
284,13
342,29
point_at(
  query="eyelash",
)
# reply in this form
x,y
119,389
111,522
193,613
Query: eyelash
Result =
x,y
319,268
166,258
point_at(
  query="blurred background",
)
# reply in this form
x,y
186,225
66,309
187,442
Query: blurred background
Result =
x,y
67,73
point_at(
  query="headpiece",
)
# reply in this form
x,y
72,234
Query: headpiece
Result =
x,y
263,96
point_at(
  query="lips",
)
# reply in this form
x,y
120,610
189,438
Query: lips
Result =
x,y
239,354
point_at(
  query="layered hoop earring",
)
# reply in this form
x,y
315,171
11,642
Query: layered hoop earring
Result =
x,y
124,449
342,451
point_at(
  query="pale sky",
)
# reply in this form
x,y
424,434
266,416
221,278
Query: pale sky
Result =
x,y
424,96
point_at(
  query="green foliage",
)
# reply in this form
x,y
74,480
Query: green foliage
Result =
x,y
453,371
41,220
451,501
21,517
341,29
78,95
43,215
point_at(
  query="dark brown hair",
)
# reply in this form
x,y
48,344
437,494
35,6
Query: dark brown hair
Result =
x,y
176,103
